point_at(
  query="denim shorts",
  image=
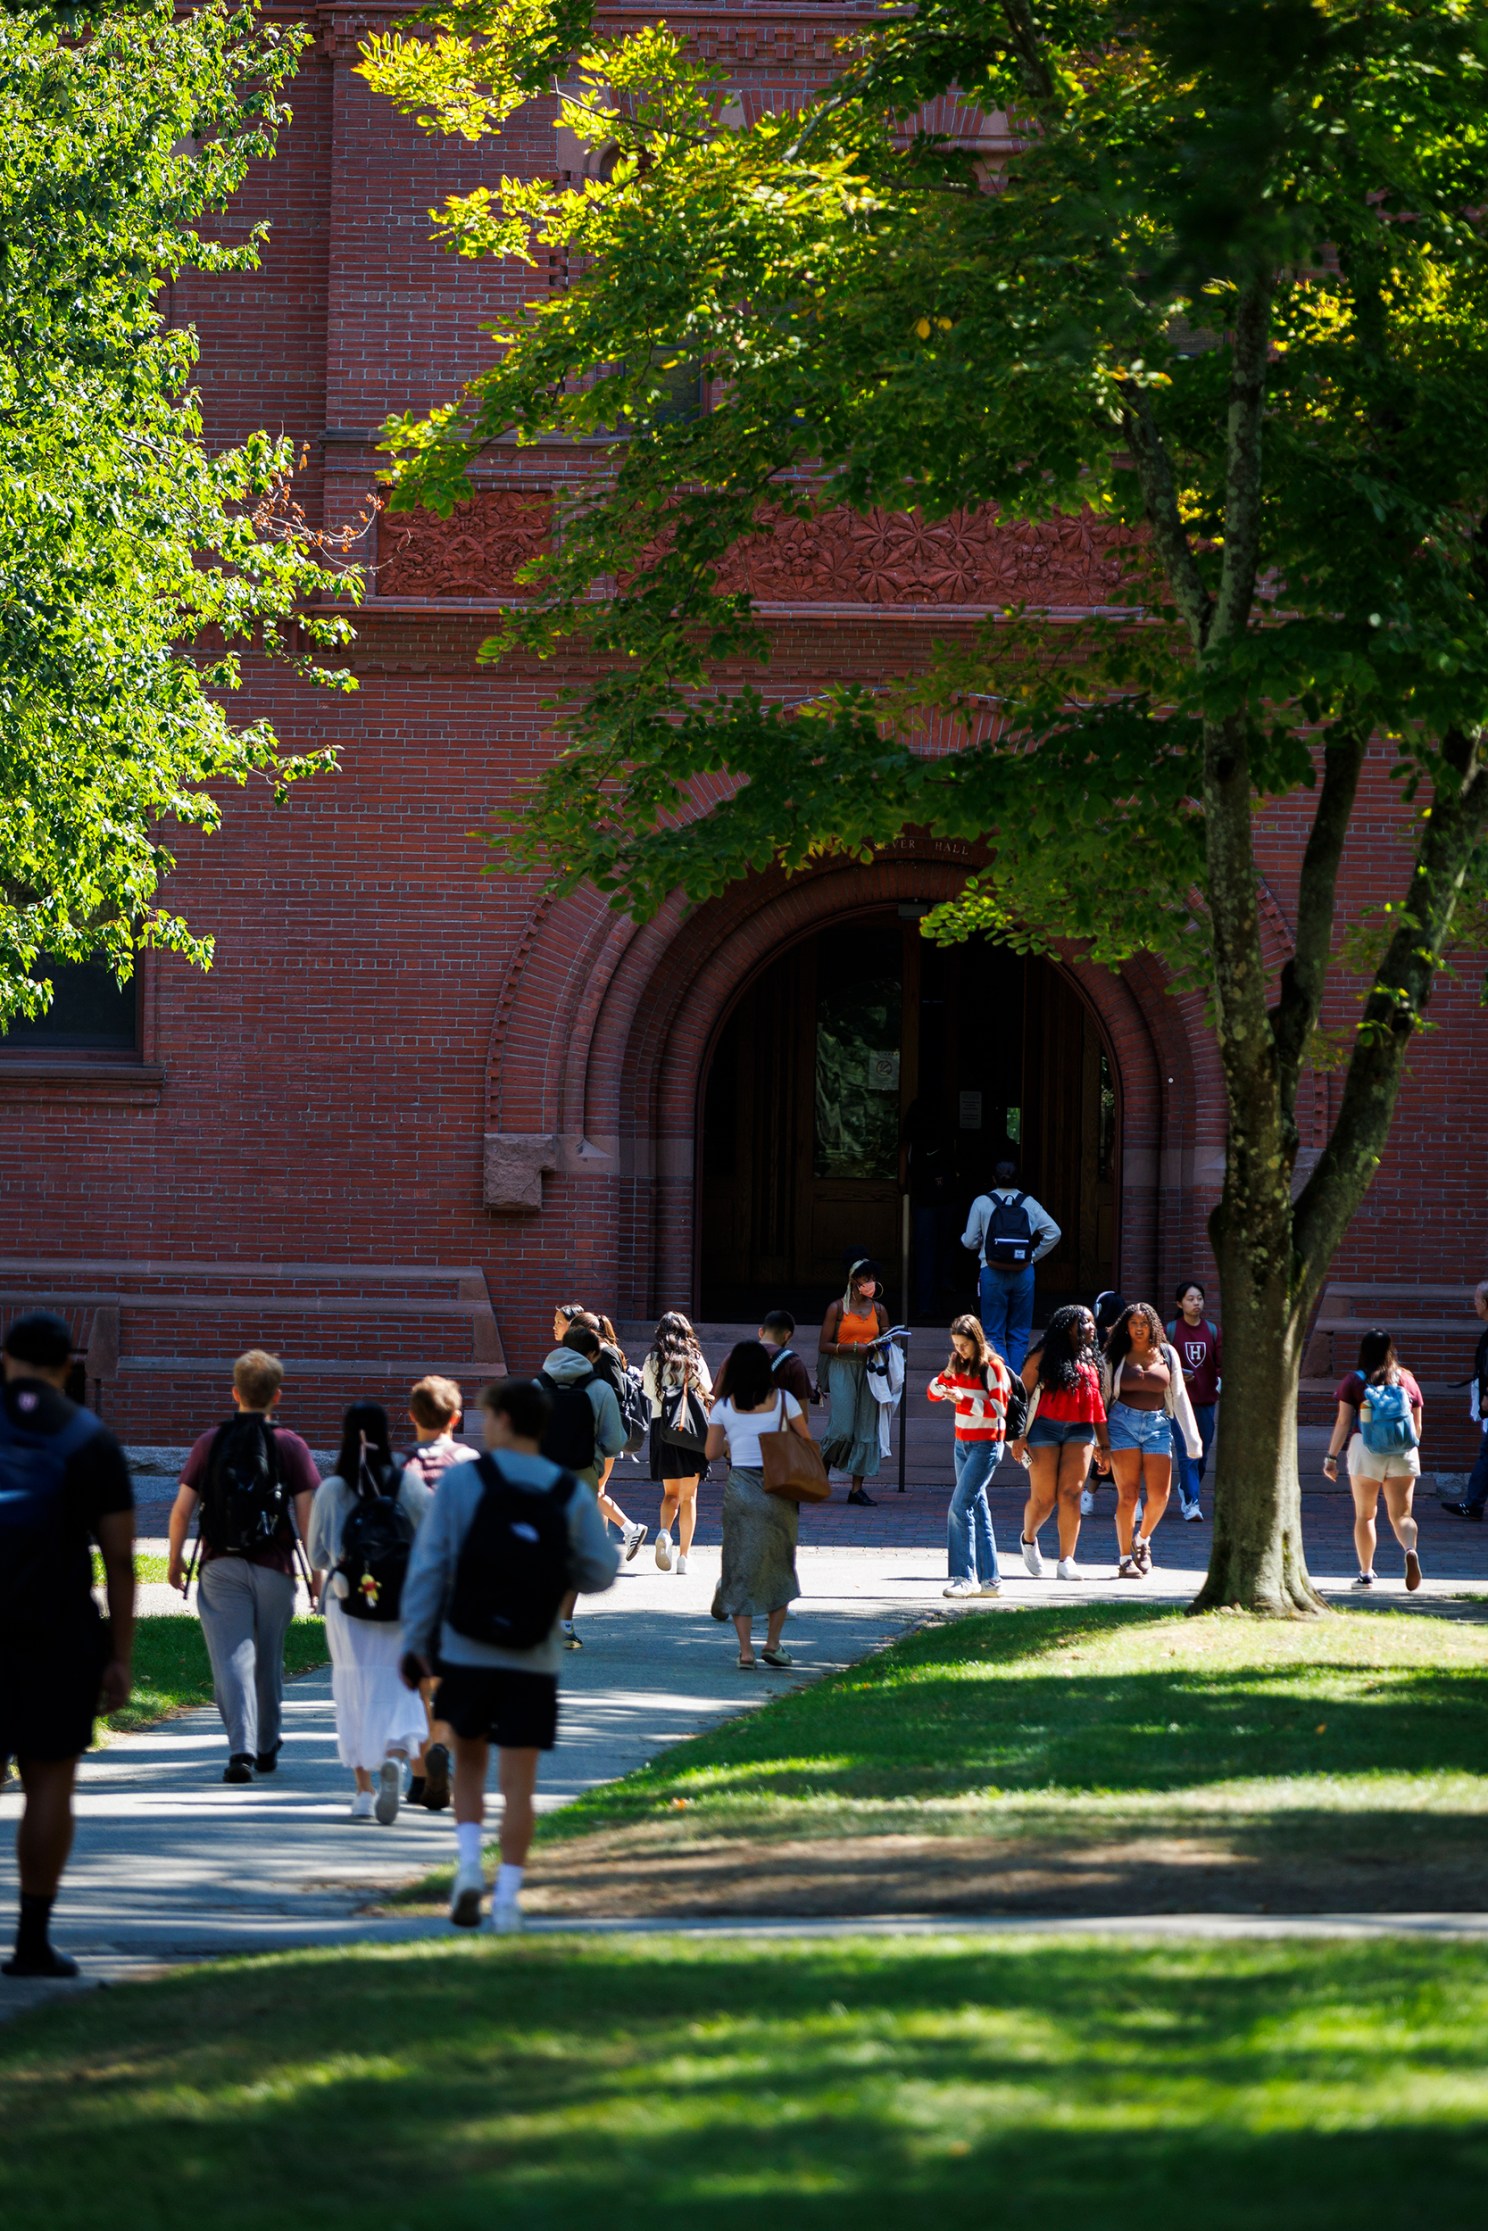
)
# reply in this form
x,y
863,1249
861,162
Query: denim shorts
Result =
x,y
1151,1431
1058,1433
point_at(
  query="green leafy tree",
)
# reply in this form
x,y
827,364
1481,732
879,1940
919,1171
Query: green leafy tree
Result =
x,y
133,561
1227,295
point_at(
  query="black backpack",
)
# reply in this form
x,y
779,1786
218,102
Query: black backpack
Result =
x,y
1009,1241
376,1544
245,1504
568,1438
513,1569
1016,1424
33,1515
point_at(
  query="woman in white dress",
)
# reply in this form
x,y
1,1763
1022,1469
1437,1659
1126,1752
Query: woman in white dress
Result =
x,y
380,1723
758,1580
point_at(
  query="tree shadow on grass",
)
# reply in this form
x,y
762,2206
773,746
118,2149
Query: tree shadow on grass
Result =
x,y
1304,2087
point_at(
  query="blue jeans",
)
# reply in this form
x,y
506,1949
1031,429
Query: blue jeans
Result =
x,y
1191,1468
1007,1311
971,1547
1477,1479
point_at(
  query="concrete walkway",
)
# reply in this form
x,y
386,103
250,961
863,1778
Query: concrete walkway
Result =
x,y
171,1865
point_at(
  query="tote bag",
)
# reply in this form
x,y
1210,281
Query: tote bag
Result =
x,y
792,1466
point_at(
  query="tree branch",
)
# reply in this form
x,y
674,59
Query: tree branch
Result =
x,y
1294,1017
1243,483
1028,45
1160,501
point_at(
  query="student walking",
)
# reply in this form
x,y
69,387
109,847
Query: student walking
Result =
x,y
363,1522
978,1382
1109,1306
1379,1414
1066,1421
758,1579
64,1484
1471,1504
252,1484
613,1367
435,1407
584,1427
1008,1232
850,1330
680,1388
504,1541
776,1333
1147,1407
1197,1341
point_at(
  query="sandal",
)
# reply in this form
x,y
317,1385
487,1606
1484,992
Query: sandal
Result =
x,y
748,1665
777,1657
1128,1569
1142,1554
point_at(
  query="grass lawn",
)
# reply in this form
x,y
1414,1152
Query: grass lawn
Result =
x,y
641,2085
1094,1759
172,1671
149,1566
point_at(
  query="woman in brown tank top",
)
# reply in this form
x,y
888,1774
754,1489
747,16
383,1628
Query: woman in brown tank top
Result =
x,y
1146,1403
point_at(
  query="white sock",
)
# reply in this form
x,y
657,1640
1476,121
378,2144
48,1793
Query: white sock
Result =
x,y
508,1882
468,1842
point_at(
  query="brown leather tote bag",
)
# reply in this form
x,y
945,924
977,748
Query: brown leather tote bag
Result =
x,y
792,1466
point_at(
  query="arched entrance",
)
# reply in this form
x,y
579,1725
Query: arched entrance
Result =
x,y
863,1058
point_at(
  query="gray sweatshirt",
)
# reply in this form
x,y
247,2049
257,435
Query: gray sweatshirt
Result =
x,y
1046,1233
593,1563
566,1364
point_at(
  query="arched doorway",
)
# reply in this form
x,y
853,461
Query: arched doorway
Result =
x,y
863,1058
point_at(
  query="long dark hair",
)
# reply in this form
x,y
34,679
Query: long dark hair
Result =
x,y
970,1328
369,1420
1065,1348
748,1378
675,1347
1118,1345
1377,1357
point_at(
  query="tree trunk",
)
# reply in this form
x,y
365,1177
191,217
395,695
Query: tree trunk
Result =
x,y
1256,1560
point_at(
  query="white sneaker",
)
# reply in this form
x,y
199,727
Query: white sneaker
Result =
x,y
1033,1558
961,1588
990,1588
465,1897
390,1788
633,1537
681,1564
1087,1501
663,1551
361,1805
1067,1569
1192,1512
506,1917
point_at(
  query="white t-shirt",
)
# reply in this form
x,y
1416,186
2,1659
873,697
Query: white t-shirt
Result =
x,y
744,1428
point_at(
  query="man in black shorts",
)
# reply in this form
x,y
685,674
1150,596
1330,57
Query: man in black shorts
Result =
x,y
64,1484
487,1693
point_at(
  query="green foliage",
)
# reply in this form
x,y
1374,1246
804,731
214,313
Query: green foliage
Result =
x,y
172,1672
133,561
882,323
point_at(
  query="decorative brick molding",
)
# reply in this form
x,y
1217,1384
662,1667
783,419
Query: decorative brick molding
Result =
x,y
971,558
514,1166
474,553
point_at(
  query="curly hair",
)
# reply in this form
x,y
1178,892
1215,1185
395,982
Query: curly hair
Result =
x,y
674,1351
1066,1346
1118,1347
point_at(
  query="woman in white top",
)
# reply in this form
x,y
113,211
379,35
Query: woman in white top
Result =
x,y
380,1723
759,1530
673,1370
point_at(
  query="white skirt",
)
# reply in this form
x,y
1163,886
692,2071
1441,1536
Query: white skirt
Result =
x,y
375,1713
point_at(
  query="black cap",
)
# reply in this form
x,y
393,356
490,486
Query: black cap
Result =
x,y
40,1337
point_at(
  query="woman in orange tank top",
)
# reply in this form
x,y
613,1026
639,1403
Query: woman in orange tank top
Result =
x,y
849,1329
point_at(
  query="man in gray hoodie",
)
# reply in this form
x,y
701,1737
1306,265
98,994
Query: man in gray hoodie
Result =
x,y
574,1364
489,1694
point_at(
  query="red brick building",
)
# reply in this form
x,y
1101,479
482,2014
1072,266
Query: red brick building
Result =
x,y
412,1105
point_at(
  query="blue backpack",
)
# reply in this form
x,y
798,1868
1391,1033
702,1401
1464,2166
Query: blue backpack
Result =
x,y
1388,1429
33,1514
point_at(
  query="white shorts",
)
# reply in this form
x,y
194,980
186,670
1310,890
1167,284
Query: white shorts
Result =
x,y
1399,1464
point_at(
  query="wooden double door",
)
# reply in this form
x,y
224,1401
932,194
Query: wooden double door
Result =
x,y
866,1061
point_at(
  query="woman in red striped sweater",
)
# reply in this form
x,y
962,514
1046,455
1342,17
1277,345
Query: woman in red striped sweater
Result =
x,y
976,1380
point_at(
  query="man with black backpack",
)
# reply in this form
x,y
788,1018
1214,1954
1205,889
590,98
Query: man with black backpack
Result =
x,y
64,1484
584,1427
505,1540
1009,1232
253,1483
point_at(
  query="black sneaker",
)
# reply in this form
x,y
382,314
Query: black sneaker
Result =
x,y
239,1767
856,1495
267,1762
1464,1510
436,1778
50,1964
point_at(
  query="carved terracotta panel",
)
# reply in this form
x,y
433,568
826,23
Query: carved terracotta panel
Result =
x,y
886,557
473,553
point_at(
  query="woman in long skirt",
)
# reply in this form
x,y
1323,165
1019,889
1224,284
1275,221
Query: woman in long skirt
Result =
x,y
758,1579
849,1330
380,1723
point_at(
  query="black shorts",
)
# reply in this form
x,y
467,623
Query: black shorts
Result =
x,y
49,1693
670,1461
515,1711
